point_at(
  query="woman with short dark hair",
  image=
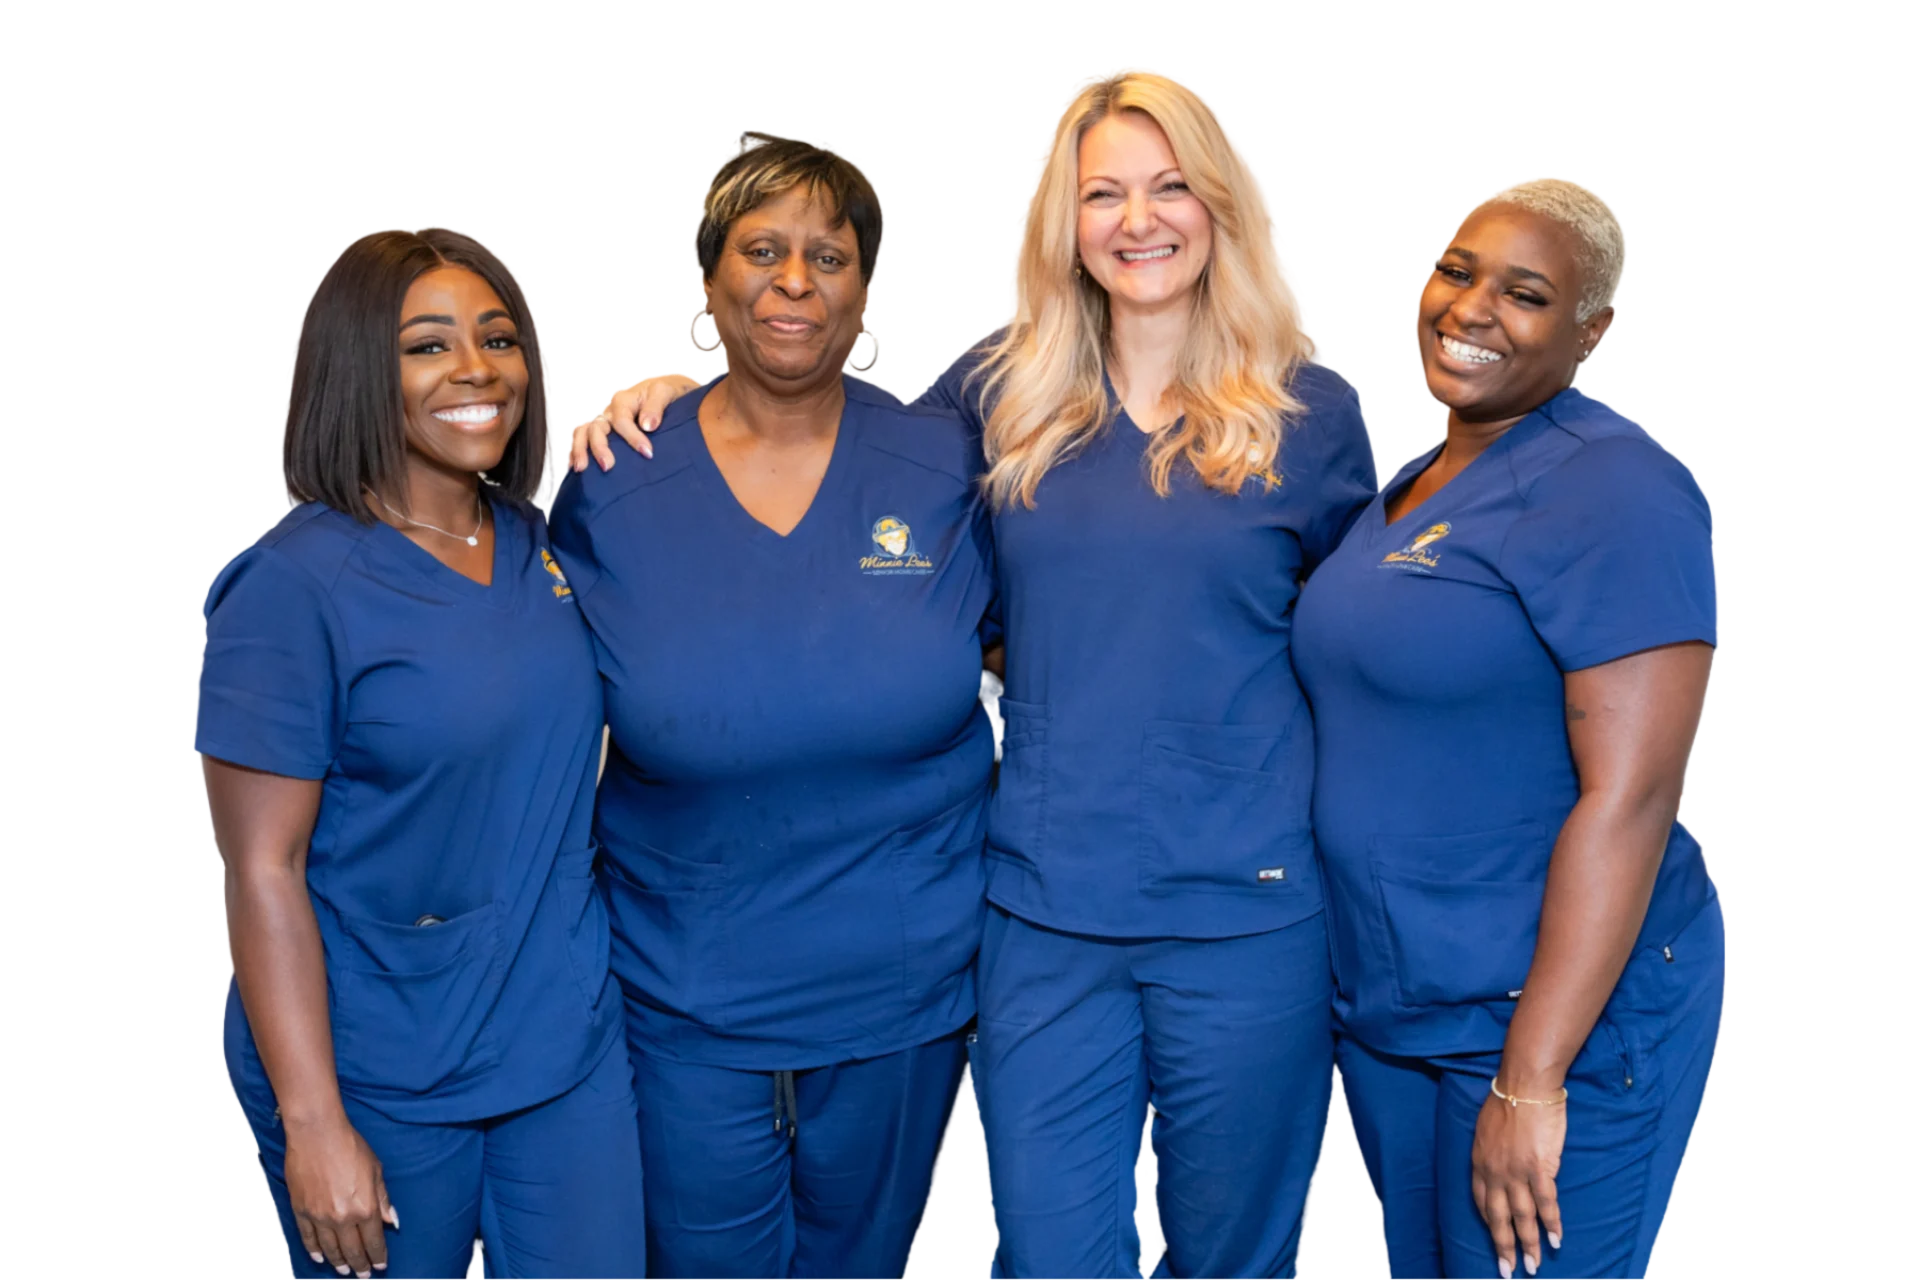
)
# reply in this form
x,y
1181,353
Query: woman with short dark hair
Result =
x,y
789,614
401,727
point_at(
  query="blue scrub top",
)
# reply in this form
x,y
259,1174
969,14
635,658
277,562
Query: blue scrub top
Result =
x,y
456,729
1158,756
1434,650
794,804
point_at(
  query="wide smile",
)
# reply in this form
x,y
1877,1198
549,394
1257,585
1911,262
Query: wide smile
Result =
x,y
469,415
1464,356
1135,259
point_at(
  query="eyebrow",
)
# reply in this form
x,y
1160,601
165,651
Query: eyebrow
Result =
x,y
497,313
1101,177
1526,273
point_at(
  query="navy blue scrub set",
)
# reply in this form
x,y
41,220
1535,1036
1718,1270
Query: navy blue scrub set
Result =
x,y
1156,932
793,815
476,1028
1434,649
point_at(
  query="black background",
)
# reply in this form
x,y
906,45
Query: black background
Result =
x,y
1800,818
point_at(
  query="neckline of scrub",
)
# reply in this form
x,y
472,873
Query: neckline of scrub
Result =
x,y
419,560
1415,469
763,534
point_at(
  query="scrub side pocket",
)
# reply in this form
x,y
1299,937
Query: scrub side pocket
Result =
x,y
1017,815
583,911
1461,912
412,1002
940,873
1223,808
671,945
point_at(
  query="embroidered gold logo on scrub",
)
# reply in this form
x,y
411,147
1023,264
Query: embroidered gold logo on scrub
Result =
x,y
560,588
893,540
1415,553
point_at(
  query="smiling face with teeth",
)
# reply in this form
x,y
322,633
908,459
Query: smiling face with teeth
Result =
x,y
1144,236
463,374
1499,332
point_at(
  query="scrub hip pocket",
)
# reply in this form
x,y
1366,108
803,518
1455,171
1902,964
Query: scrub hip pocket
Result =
x,y
412,1003
1224,808
1461,912
582,909
672,944
1017,814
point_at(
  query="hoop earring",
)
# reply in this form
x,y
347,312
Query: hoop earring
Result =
x,y
862,368
693,330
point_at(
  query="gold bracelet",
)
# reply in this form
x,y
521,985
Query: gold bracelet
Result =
x,y
1513,1101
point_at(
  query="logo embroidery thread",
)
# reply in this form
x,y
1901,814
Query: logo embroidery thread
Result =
x,y
560,588
893,540
1415,554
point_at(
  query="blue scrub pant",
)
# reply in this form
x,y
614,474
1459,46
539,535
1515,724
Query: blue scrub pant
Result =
x,y
1229,1039
550,1190
1633,1093
820,1172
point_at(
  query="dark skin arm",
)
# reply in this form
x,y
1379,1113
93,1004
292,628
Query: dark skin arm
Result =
x,y
262,823
1631,724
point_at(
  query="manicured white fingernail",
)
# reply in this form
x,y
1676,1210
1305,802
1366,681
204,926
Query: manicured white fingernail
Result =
x,y
1533,1264
343,1271
318,1257
1506,1270
364,1275
648,424
1553,1239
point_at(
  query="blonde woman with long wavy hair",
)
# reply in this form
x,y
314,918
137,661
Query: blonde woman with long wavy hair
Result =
x,y
1165,466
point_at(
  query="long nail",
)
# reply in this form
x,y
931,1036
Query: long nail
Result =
x,y
343,1271
317,1257
1553,1238
1533,1264
1506,1270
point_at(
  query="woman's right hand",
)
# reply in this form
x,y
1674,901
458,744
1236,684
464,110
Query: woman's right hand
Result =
x,y
339,1197
632,414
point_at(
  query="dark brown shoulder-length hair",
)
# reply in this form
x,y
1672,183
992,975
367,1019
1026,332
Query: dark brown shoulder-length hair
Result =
x,y
346,424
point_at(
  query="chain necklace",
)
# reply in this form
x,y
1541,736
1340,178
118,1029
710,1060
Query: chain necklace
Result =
x,y
471,539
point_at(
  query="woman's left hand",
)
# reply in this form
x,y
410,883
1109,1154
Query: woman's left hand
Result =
x,y
1516,1157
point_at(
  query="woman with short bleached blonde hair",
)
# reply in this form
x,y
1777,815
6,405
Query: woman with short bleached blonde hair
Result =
x,y
1166,466
1530,950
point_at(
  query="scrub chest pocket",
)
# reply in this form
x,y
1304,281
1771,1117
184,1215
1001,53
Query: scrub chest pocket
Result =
x,y
1223,808
1462,912
388,978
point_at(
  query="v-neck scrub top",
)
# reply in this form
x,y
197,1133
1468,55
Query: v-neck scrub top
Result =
x,y
794,803
456,730
1434,650
1158,755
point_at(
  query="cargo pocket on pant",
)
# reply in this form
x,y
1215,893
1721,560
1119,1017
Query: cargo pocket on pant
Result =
x,y
1017,814
583,911
412,1003
671,943
1462,913
1223,809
